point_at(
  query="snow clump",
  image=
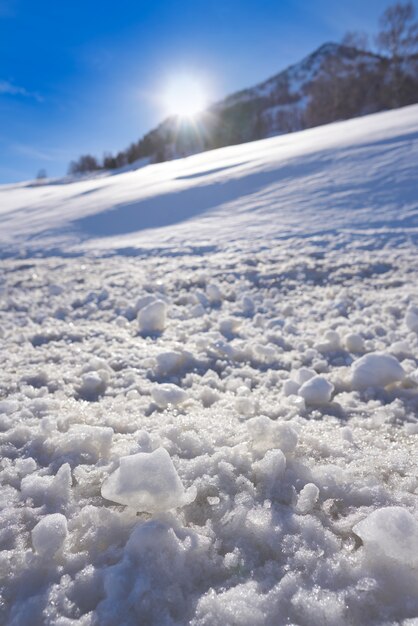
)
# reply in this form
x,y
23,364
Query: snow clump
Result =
x,y
49,534
166,394
411,318
316,391
152,318
307,498
354,342
376,369
390,532
267,434
147,482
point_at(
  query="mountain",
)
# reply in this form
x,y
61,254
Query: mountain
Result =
x,y
333,83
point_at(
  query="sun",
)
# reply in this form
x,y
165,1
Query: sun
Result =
x,y
184,97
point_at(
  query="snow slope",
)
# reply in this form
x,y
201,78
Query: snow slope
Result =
x,y
209,387
341,175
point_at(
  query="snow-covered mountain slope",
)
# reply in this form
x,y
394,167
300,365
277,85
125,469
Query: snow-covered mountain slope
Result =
x,y
334,83
349,176
298,78
209,388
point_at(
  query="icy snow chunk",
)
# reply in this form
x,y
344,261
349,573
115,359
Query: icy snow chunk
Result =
x,y
166,394
248,306
290,387
330,343
354,342
317,391
54,491
147,482
411,318
307,498
209,396
144,301
214,293
270,468
93,385
49,534
173,361
376,369
152,318
391,532
229,326
82,439
267,434
303,375
245,406
8,406
400,349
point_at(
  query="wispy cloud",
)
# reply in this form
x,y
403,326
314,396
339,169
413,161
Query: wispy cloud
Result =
x,y
8,88
48,154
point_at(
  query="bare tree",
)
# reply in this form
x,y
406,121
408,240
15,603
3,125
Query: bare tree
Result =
x,y
85,164
358,40
398,36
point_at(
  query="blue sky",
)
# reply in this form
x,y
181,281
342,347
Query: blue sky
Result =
x,y
86,76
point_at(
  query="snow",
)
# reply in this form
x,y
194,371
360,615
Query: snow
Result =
x,y
391,533
411,318
152,317
307,498
376,370
147,481
267,434
167,394
354,342
245,451
49,534
316,391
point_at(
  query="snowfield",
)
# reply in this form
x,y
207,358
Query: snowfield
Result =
x,y
209,387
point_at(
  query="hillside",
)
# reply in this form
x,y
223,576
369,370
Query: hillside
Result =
x,y
333,83
209,389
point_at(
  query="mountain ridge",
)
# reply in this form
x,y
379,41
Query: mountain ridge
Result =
x,y
332,83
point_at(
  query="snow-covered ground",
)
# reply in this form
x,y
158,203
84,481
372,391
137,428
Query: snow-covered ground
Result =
x,y
209,387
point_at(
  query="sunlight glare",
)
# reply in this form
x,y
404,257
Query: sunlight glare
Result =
x,y
185,97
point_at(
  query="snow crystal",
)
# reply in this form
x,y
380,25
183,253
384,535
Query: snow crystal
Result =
x,y
316,391
147,482
376,369
152,318
49,534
